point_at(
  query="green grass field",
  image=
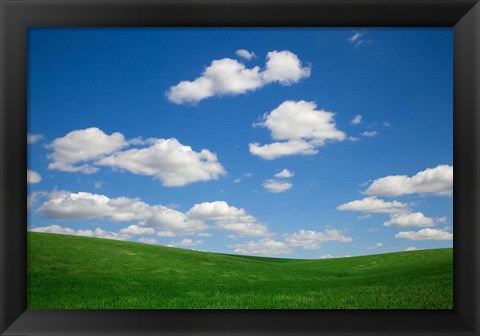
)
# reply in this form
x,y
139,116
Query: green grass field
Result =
x,y
70,272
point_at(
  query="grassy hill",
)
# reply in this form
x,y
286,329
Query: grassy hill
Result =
x,y
88,273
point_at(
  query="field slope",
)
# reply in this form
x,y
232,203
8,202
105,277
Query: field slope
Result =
x,y
87,273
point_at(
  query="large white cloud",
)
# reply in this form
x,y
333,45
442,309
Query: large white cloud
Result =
x,y
168,160
80,146
276,186
83,205
373,205
425,234
410,219
229,218
64,205
438,180
299,129
33,177
230,77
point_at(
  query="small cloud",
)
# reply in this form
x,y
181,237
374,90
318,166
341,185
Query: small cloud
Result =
x,y
370,133
411,248
284,174
33,177
275,186
386,124
243,53
244,176
358,38
441,219
205,234
98,184
356,120
186,242
34,138
374,247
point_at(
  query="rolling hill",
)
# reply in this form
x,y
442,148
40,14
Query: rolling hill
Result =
x,y
71,272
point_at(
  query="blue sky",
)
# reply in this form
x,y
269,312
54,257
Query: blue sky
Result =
x,y
301,143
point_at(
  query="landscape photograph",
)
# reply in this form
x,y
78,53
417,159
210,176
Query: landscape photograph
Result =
x,y
240,168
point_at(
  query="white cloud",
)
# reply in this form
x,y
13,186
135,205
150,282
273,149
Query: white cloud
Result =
x,y
97,233
370,134
34,197
228,218
98,184
374,247
312,240
186,243
302,128
165,217
262,247
301,120
356,120
275,186
409,219
411,248
307,240
438,181
244,176
279,149
137,230
284,174
244,53
357,38
441,219
150,241
425,234
33,177
205,234
165,159
80,146
229,77
34,138
373,205
84,205
284,67
166,233
168,160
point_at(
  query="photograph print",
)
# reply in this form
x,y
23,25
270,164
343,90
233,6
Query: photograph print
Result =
x,y
240,168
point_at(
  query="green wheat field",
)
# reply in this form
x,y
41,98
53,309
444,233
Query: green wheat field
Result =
x,y
71,272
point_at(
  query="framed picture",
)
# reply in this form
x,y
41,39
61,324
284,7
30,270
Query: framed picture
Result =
x,y
208,167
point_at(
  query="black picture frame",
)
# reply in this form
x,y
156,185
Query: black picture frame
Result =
x,y
18,15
